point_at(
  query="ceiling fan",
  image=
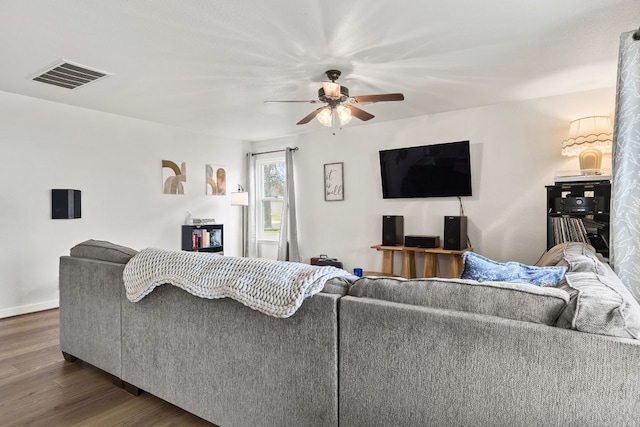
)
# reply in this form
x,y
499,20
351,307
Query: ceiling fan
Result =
x,y
339,108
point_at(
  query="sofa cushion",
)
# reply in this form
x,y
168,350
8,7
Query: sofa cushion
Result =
x,y
518,301
555,255
600,304
574,255
583,258
103,251
338,285
477,267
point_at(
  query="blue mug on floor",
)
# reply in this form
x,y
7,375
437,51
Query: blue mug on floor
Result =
x,y
357,272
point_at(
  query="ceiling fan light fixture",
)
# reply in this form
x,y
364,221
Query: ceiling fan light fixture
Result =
x,y
339,109
325,117
331,90
344,114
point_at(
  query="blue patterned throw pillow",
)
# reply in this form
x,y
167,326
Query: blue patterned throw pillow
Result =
x,y
477,267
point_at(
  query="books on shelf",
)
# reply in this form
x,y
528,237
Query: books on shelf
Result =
x,y
203,238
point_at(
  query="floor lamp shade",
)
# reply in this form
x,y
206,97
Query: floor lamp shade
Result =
x,y
240,198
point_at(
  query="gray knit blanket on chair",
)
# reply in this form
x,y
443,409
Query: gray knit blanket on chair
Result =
x,y
275,288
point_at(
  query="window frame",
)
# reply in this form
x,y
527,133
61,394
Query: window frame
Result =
x,y
272,158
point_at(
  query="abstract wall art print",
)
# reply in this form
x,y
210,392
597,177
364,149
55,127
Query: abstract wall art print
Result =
x,y
216,180
173,177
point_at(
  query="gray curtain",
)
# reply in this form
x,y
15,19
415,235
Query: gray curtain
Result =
x,y
288,244
625,197
251,241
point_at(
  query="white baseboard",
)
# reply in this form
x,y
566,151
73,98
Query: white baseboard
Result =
x,y
31,308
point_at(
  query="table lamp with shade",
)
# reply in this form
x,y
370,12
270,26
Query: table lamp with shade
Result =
x,y
588,138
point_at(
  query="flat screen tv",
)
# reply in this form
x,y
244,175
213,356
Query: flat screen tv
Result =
x,y
437,170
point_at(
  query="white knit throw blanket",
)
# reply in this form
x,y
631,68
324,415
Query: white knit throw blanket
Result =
x,y
276,288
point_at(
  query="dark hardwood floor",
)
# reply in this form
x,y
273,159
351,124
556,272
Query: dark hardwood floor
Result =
x,y
39,388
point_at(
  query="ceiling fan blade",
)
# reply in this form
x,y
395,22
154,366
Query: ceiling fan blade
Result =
x,y
310,116
311,101
361,114
379,98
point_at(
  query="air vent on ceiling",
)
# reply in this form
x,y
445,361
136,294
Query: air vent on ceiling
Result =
x,y
69,75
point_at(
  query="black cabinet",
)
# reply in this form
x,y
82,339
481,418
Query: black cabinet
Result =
x,y
203,238
579,212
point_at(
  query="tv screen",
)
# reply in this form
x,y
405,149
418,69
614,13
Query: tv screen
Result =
x,y
437,170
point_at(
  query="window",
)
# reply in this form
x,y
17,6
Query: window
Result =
x,y
271,177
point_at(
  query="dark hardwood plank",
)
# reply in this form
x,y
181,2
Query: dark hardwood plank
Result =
x,y
39,388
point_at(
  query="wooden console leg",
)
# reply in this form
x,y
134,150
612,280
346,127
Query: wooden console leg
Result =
x,y
387,262
408,264
456,265
131,388
430,265
68,357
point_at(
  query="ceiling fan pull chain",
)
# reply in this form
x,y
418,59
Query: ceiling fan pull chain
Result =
x,y
334,119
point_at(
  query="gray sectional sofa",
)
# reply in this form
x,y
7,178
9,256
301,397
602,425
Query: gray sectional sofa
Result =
x,y
380,351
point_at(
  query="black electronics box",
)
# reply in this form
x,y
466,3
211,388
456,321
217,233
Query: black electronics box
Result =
x,y
330,261
579,205
422,241
323,260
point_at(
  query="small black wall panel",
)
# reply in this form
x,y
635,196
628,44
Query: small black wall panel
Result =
x,y
65,204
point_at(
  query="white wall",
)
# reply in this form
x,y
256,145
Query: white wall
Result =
x,y
515,150
116,163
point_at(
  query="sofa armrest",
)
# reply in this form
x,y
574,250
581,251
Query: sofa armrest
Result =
x,y
90,315
103,251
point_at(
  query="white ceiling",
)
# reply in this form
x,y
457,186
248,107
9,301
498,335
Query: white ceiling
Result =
x,y
209,65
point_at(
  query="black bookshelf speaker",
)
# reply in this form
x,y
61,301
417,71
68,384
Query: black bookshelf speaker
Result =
x,y
455,232
65,204
392,230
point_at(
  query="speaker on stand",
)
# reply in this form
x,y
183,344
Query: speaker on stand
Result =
x,y
392,230
455,232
